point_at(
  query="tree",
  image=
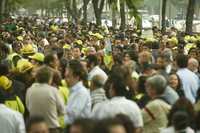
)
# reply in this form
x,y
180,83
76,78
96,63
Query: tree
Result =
x,y
123,15
85,4
190,16
132,7
98,8
164,5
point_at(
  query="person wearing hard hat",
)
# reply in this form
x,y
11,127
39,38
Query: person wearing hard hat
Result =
x,y
11,100
37,59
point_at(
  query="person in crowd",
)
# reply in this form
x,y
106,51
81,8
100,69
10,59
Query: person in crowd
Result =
x,y
183,104
10,121
41,95
180,123
37,59
76,52
51,60
97,92
193,65
155,87
189,80
110,125
37,124
117,91
82,126
79,102
175,83
94,69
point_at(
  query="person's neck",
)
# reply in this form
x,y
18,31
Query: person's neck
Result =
x,y
74,83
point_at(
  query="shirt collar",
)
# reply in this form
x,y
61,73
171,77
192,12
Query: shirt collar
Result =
x,y
76,87
117,97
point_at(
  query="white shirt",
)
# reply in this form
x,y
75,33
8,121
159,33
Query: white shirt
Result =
x,y
119,105
79,104
11,121
172,130
97,71
190,83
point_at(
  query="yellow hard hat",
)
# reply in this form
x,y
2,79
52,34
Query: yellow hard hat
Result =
x,y
67,46
38,57
98,35
173,40
5,83
79,42
24,65
20,38
27,49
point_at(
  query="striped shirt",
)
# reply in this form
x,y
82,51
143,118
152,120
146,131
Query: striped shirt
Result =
x,y
98,96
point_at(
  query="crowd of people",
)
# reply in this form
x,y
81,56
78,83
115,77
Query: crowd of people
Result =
x,y
61,77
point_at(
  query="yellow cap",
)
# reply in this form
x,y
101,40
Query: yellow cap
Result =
x,y
38,57
98,35
20,38
67,46
27,49
79,42
24,65
5,83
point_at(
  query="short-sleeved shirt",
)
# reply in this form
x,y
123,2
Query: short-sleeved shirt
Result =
x,y
119,105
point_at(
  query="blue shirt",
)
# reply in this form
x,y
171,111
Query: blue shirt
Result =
x,y
79,103
190,83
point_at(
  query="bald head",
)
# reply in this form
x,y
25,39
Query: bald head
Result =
x,y
193,64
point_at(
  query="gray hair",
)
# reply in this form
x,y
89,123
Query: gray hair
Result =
x,y
193,61
98,81
158,83
168,55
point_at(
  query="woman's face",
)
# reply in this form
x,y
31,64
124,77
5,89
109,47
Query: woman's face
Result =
x,y
173,81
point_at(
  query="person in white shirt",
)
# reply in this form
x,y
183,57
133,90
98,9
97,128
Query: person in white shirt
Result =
x,y
10,120
118,104
79,103
94,69
44,100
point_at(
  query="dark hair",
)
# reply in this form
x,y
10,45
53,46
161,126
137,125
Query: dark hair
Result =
x,y
126,122
78,69
34,120
179,80
104,125
182,104
92,59
2,95
77,46
86,125
180,120
49,58
43,75
182,60
4,70
63,65
119,78
141,84
59,51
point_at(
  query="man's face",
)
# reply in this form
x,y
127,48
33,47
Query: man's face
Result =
x,y
76,53
39,128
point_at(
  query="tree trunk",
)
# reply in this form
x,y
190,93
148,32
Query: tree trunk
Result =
x,y
190,16
98,10
85,4
75,11
2,10
114,20
122,15
164,5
